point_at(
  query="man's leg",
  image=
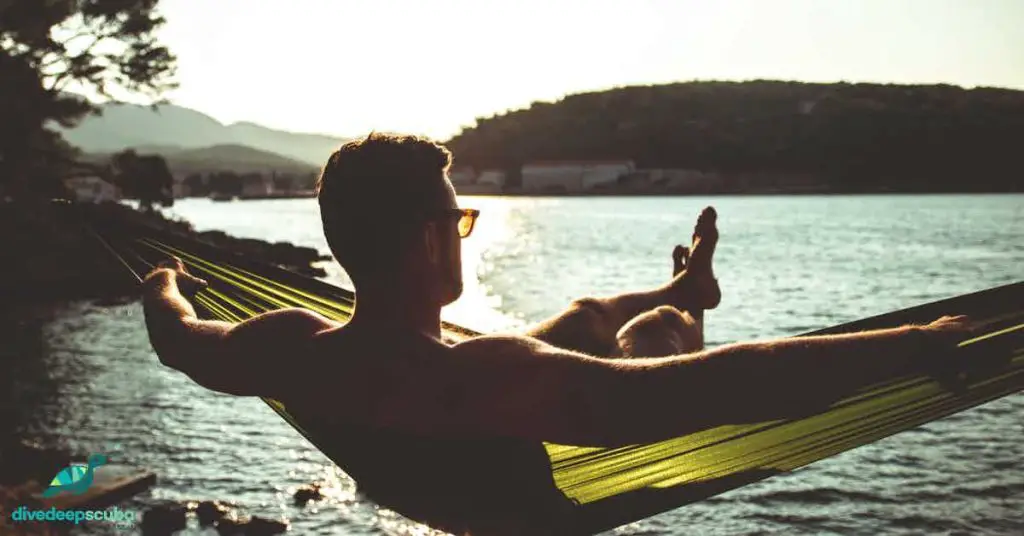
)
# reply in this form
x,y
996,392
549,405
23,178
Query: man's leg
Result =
x,y
661,332
592,325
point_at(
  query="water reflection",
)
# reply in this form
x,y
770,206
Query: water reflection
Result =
x,y
479,307
84,377
30,389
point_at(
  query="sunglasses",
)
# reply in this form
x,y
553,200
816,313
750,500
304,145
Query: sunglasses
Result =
x,y
465,216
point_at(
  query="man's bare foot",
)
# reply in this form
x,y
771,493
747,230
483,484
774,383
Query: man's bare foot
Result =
x,y
680,256
694,283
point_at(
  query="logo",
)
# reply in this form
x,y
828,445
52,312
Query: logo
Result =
x,y
115,516
75,478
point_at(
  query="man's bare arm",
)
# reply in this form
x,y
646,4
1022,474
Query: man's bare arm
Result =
x,y
240,359
518,387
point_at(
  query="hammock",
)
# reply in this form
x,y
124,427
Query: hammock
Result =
x,y
616,486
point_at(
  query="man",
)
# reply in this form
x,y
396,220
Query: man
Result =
x,y
450,434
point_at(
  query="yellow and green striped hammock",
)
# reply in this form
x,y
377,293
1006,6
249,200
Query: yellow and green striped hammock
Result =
x,y
616,486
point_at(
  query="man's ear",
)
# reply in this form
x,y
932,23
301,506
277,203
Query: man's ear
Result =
x,y
430,244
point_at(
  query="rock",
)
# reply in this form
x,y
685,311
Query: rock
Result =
x,y
308,493
231,524
209,512
308,254
250,246
35,462
113,301
59,259
164,519
259,526
216,237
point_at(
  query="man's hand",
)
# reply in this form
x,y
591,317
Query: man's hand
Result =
x,y
951,330
940,356
174,271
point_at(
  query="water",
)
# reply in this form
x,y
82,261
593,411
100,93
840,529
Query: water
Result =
x,y
786,264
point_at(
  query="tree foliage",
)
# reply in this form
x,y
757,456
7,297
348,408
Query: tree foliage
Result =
x,y
196,185
52,51
225,183
854,135
143,177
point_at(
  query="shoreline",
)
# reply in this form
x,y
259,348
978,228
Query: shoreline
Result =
x,y
733,194
761,193
53,258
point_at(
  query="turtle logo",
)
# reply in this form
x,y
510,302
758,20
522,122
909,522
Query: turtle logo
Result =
x,y
75,478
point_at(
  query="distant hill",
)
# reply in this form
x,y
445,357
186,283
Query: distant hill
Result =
x,y
171,127
853,136
234,158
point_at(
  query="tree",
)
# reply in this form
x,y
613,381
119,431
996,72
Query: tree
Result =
x,y
49,48
306,181
196,185
225,183
143,177
282,183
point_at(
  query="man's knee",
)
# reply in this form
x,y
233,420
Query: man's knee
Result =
x,y
649,335
657,322
671,318
589,311
583,327
664,330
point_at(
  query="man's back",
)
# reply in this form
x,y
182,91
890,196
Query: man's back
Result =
x,y
461,483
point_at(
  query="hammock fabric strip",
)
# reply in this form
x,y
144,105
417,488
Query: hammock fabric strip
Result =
x,y
616,486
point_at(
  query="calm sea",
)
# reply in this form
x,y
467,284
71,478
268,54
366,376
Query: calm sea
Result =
x,y
786,265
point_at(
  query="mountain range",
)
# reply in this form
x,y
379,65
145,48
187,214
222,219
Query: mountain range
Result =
x,y
240,159
171,129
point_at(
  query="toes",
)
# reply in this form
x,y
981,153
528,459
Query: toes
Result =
x,y
680,256
706,220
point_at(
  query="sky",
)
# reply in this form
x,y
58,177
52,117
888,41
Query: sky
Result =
x,y
345,67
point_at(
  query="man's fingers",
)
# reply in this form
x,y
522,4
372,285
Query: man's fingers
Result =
x,y
190,284
187,283
958,322
173,263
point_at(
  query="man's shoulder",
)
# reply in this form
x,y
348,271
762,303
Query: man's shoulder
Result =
x,y
391,350
497,346
299,319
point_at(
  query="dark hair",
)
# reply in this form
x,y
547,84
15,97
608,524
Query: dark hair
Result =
x,y
369,192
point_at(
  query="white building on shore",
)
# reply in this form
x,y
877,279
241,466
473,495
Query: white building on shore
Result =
x,y
257,186
92,190
572,175
494,178
462,176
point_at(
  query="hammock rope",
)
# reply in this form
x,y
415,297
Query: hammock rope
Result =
x,y
615,486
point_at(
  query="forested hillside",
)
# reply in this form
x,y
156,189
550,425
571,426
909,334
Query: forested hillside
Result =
x,y
855,135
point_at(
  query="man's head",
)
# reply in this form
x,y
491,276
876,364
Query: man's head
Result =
x,y
391,217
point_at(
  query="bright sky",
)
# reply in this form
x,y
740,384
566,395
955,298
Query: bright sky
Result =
x,y
345,67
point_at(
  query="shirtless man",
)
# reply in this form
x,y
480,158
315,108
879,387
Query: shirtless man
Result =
x,y
450,434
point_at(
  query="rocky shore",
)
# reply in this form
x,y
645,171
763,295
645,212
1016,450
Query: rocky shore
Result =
x,y
20,484
49,256
25,465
